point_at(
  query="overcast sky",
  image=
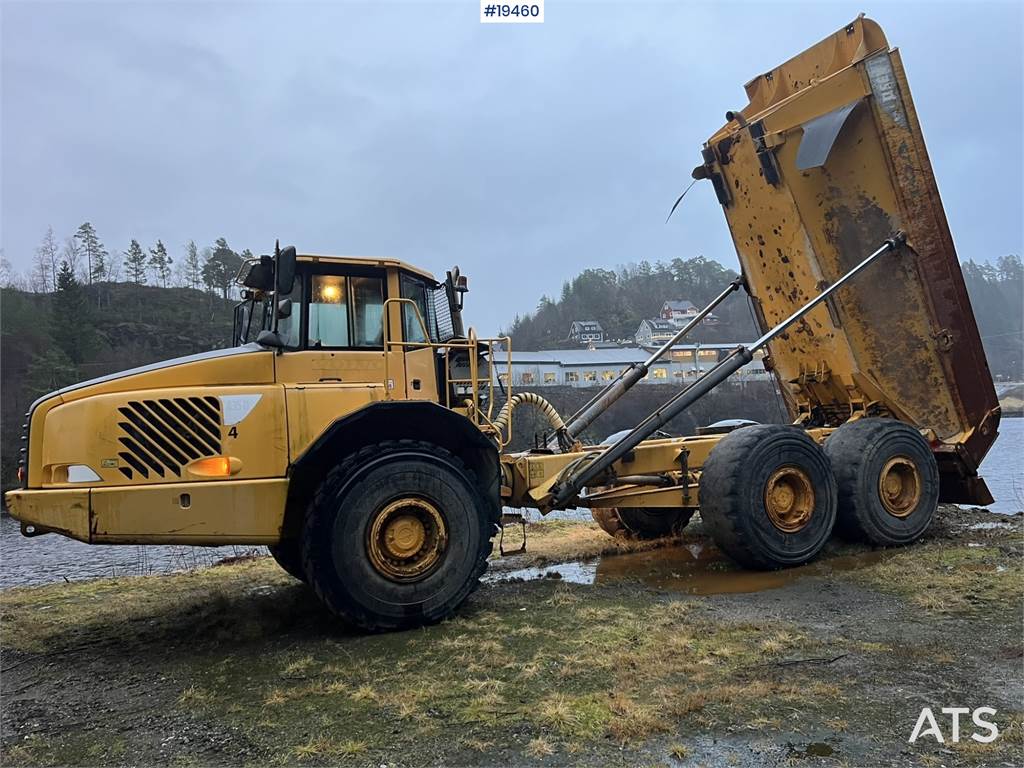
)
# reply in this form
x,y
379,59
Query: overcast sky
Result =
x,y
524,153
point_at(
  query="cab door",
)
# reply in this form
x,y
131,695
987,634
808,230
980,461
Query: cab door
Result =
x,y
335,361
419,326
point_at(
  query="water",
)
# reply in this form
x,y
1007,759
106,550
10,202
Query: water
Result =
x,y
51,558
693,569
1003,468
44,559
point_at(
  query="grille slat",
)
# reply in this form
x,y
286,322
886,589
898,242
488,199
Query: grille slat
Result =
x,y
155,437
195,419
170,431
162,436
203,436
137,465
197,446
162,459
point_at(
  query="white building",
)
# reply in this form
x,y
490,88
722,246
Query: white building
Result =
x,y
654,332
597,367
586,331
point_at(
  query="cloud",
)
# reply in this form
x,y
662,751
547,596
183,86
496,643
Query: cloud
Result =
x,y
523,153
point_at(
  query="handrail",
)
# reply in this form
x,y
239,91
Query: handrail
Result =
x,y
471,345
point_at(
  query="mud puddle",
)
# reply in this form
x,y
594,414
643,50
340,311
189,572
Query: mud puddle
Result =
x,y
694,568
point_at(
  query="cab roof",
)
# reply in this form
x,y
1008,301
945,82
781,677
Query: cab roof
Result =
x,y
367,261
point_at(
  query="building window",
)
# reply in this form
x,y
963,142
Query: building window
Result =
x,y
660,373
607,375
549,377
571,377
590,375
678,374
526,378
503,378
683,356
707,354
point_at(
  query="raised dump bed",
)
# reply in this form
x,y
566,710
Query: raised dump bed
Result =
x,y
826,161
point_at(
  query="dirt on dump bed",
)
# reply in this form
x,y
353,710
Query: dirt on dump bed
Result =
x,y
664,656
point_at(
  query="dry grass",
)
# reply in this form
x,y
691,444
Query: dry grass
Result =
x,y
942,579
539,747
546,667
321,747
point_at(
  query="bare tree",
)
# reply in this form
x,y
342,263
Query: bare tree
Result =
x,y
72,254
9,277
47,260
113,267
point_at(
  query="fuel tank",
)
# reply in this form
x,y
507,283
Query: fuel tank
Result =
x,y
824,163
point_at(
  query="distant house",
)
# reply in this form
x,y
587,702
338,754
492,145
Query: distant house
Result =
x,y
586,331
680,312
654,331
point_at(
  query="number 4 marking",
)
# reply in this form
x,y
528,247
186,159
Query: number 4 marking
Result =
x,y
233,432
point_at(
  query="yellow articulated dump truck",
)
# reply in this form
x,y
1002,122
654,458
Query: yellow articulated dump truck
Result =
x,y
355,426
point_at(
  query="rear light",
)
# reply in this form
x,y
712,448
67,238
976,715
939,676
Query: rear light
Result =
x,y
21,475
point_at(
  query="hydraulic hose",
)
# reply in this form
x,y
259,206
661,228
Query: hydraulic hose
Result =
x,y
542,405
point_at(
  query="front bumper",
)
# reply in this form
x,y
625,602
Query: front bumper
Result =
x,y
63,511
211,512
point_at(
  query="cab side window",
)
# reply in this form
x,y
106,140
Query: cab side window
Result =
x,y
328,312
368,314
417,291
345,311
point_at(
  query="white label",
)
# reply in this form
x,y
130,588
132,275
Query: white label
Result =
x,y
531,12
237,407
885,88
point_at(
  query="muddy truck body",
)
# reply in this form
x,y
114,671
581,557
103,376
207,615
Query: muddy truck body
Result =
x,y
354,427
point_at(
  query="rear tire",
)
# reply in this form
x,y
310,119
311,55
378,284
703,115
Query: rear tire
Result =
x,y
888,481
640,523
768,496
397,536
288,554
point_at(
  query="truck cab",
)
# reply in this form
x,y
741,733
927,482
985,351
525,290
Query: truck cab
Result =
x,y
200,449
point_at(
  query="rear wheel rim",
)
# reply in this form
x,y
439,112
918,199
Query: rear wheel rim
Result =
x,y
899,486
789,499
406,539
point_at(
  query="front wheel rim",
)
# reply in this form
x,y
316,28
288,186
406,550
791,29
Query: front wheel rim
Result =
x,y
406,539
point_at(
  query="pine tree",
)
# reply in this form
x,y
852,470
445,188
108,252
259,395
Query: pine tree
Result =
x,y
193,267
160,262
221,267
135,263
95,253
72,328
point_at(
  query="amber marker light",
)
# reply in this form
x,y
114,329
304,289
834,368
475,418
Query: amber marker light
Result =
x,y
216,466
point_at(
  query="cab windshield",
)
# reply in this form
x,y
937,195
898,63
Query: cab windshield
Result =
x,y
254,316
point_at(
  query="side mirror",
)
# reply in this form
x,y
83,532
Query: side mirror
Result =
x,y
270,339
284,309
285,269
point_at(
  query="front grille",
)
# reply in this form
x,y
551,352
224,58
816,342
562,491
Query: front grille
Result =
x,y
160,437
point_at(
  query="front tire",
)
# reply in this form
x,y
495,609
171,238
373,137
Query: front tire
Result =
x,y
397,536
888,481
768,497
